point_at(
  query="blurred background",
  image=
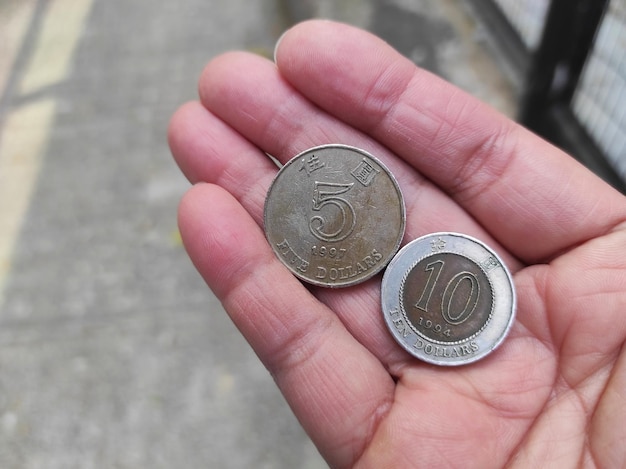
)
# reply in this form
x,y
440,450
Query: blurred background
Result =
x,y
113,353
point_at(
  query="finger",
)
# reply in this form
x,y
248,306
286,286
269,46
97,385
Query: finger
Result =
x,y
337,389
247,93
532,197
208,150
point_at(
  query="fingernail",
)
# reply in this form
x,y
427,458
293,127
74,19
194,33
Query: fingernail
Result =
x,y
278,43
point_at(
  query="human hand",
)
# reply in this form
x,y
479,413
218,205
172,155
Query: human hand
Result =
x,y
552,394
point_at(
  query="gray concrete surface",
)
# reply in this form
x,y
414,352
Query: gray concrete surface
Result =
x,y
113,354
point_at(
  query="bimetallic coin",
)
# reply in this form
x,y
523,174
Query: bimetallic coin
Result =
x,y
334,215
448,299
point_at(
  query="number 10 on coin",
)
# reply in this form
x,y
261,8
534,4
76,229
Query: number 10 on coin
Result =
x,y
448,299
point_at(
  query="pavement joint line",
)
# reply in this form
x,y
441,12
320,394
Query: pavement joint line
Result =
x,y
26,129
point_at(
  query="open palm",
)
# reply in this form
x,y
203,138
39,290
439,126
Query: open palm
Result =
x,y
553,394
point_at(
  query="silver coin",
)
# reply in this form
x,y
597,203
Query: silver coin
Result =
x,y
448,299
334,215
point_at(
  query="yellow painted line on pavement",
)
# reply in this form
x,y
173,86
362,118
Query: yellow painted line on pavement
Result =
x,y
13,26
26,130
60,31
23,143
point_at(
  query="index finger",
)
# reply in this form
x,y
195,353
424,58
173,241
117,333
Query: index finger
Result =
x,y
536,200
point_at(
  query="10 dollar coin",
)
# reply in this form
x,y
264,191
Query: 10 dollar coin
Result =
x,y
448,299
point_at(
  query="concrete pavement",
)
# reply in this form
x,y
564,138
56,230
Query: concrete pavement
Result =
x,y
113,354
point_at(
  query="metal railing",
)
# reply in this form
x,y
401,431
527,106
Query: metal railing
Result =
x,y
570,56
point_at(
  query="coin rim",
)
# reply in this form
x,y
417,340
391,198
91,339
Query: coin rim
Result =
x,y
491,336
386,258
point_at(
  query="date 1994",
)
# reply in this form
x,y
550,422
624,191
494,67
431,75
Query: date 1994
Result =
x,y
438,328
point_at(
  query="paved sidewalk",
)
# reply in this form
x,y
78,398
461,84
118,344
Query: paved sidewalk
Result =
x,y
113,354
